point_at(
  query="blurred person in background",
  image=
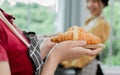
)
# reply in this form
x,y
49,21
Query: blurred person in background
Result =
x,y
98,25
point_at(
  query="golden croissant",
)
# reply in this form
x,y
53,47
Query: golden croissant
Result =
x,y
77,33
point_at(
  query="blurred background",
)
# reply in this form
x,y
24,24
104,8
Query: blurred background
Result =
x,y
47,17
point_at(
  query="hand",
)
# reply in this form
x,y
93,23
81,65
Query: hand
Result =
x,y
70,50
64,51
45,47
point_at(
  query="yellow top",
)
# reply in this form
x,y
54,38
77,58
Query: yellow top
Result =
x,y
101,28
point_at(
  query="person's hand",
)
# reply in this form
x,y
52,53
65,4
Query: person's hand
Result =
x,y
70,50
45,47
64,51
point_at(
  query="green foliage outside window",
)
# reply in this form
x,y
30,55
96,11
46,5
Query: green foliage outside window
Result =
x,y
32,17
113,15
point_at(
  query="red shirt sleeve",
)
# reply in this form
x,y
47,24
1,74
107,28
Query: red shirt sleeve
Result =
x,y
3,54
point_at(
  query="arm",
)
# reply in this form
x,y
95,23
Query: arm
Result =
x,y
49,66
64,51
4,68
4,65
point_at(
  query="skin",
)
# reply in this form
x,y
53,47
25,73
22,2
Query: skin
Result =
x,y
56,54
95,7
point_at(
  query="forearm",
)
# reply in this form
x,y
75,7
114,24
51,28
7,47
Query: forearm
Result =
x,y
49,66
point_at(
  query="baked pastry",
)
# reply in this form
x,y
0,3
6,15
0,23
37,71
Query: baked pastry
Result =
x,y
78,33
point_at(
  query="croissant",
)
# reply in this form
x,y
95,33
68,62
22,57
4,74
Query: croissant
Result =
x,y
77,33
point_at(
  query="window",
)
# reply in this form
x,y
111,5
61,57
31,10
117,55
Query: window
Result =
x,y
32,15
111,55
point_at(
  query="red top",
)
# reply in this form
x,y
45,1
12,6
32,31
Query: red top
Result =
x,y
15,52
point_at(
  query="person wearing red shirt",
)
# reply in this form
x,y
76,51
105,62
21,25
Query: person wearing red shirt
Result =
x,y
14,59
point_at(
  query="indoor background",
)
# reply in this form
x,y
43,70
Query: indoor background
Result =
x,y
49,17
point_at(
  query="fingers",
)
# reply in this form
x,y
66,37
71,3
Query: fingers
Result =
x,y
84,51
95,46
77,43
93,52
